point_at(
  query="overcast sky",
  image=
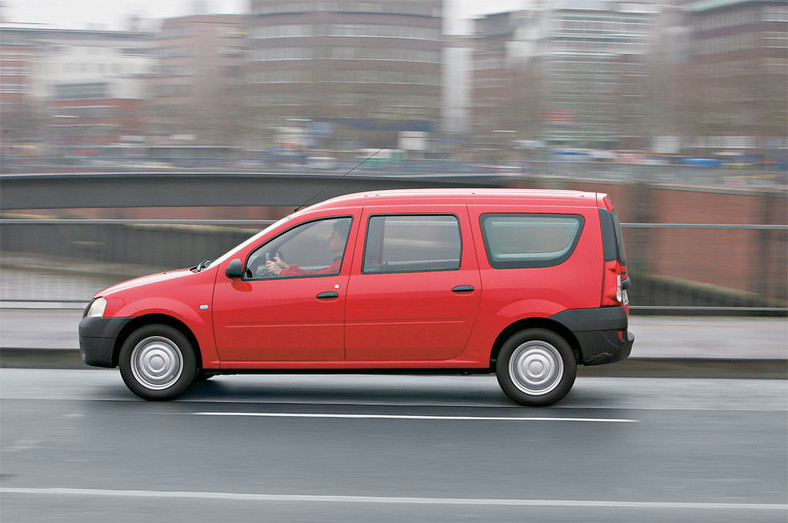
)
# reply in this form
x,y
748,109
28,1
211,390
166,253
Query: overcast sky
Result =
x,y
111,14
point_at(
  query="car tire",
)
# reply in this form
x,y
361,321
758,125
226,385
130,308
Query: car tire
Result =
x,y
536,367
157,362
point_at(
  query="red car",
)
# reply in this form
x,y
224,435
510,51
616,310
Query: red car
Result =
x,y
523,283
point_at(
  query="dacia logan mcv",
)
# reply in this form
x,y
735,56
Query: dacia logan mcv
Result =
x,y
526,284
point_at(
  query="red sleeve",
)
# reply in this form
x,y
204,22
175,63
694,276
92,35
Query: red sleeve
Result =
x,y
295,270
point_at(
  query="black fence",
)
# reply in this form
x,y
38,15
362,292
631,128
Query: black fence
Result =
x,y
674,267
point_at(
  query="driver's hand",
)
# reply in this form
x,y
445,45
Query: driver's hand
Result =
x,y
273,267
280,263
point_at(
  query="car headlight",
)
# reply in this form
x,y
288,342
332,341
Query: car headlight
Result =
x,y
96,309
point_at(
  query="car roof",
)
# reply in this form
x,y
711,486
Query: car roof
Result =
x,y
461,196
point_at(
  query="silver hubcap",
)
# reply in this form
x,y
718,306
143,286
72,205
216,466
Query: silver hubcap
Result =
x,y
536,367
156,363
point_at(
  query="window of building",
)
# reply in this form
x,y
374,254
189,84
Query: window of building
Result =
x,y
775,13
281,53
12,88
82,91
775,39
384,31
283,31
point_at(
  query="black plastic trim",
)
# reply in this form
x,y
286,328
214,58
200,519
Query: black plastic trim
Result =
x,y
622,253
97,340
597,333
609,242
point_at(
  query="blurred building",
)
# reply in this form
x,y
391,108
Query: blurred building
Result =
x,y
195,91
669,66
73,90
18,115
16,58
575,72
457,59
500,104
350,74
740,75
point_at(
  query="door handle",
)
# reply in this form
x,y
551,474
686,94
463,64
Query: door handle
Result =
x,y
463,288
329,294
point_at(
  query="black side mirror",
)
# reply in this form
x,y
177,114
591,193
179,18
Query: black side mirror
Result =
x,y
235,269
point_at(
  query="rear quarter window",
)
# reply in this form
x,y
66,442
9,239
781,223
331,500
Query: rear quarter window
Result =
x,y
514,240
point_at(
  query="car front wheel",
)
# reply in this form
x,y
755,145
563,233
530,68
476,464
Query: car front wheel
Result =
x,y
536,367
157,362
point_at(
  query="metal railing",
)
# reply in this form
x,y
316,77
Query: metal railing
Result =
x,y
708,267
674,267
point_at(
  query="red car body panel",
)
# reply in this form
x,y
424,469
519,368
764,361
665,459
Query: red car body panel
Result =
x,y
177,294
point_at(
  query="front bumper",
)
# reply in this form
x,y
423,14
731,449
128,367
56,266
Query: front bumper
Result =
x,y
602,333
97,340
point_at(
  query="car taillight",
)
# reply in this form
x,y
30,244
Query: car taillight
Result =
x,y
613,293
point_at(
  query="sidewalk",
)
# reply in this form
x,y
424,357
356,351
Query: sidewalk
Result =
x,y
665,346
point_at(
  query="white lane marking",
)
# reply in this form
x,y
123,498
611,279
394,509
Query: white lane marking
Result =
x,y
395,500
409,417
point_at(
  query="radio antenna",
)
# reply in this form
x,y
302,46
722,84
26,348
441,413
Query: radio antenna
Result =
x,y
362,162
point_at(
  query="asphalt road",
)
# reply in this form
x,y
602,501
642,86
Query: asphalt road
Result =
x,y
77,446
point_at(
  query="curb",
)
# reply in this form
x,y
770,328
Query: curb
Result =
x,y
764,369
14,358
772,369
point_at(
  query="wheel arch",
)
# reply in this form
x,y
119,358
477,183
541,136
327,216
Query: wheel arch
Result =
x,y
534,323
155,319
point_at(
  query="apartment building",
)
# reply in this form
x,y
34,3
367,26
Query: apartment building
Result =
x,y
195,91
18,114
72,89
356,72
739,53
580,64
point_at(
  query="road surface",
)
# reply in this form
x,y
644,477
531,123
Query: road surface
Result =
x,y
77,446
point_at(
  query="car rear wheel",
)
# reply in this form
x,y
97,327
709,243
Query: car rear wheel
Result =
x,y
157,362
536,367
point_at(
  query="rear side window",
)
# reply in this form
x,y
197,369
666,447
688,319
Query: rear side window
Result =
x,y
517,241
412,243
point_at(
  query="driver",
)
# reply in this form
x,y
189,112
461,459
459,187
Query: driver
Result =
x,y
336,244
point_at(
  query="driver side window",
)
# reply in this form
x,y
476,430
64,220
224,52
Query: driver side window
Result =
x,y
311,249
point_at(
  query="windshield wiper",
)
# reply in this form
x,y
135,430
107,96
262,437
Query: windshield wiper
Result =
x,y
202,266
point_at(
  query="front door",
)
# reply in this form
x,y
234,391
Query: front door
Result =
x,y
290,305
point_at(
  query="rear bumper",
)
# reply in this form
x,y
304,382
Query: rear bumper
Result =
x,y
97,338
602,334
